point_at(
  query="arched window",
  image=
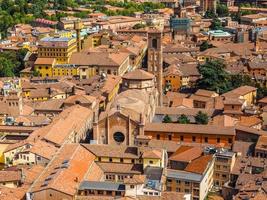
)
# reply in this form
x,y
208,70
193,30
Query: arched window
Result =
x,y
154,43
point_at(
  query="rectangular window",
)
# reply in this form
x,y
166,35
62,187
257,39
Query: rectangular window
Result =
x,y
186,191
218,140
193,139
181,138
230,140
158,137
170,137
206,139
132,186
187,183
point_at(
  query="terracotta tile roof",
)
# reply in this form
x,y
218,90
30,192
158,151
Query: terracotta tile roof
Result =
x,y
114,151
182,102
83,99
206,93
199,165
12,193
40,93
172,70
10,176
164,196
67,122
32,120
43,149
69,166
257,65
185,111
246,129
240,91
152,154
138,74
186,153
31,173
189,128
201,98
121,168
44,61
95,173
243,148
261,143
223,120
178,48
169,146
109,59
173,95
177,59
249,121
263,100
189,70
49,105
136,179
233,101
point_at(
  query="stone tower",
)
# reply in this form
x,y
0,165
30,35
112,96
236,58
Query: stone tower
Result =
x,y
154,60
78,25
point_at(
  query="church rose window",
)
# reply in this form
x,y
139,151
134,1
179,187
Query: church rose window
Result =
x,y
119,137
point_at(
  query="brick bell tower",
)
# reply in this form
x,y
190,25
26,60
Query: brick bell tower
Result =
x,y
154,58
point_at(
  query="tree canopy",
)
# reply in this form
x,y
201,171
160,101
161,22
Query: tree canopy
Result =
x,y
11,63
183,119
201,118
216,24
222,10
167,119
205,45
214,77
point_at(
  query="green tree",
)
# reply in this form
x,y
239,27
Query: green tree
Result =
x,y
214,77
222,10
183,119
205,45
35,73
167,119
216,24
201,118
209,14
238,80
6,67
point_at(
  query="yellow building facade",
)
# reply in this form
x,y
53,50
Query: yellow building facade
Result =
x,y
59,48
53,56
